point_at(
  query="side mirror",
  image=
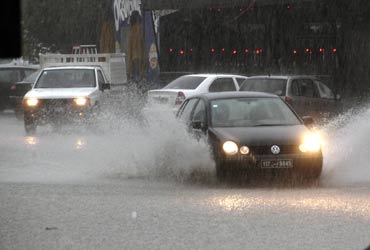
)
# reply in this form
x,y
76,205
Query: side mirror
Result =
x,y
307,120
105,86
197,125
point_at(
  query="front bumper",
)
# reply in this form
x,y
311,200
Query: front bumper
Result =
x,y
309,164
60,111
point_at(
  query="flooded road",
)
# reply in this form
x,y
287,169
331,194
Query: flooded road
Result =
x,y
136,189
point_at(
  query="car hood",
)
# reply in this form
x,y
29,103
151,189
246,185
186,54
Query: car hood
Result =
x,y
60,93
255,136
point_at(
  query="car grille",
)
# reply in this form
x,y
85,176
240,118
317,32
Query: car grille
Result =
x,y
55,103
266,150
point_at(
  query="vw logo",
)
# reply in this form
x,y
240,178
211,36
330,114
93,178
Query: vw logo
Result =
x,y
275,149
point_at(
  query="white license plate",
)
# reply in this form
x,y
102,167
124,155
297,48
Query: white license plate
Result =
x,y
59,109
276,163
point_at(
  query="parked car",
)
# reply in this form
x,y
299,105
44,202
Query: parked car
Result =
x,y
254,132
9,75
63,95
187,86
308,95
19,89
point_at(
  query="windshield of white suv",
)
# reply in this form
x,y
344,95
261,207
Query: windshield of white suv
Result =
x,y
273,86
67,78
185,82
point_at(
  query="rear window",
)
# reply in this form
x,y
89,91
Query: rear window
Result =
x,y
32,77
185,82
273,86
10,75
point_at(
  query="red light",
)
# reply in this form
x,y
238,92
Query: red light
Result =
x,y
223,49
182,52
235,52
213,50
307,50
289,7
171,50
321,50
13,87
191,49
246,50
258,51
334,50
180,98
295,52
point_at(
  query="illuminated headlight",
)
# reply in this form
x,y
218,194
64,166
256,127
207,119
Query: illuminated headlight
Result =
x,y
244,150
311,143
32,102
81,101
230,148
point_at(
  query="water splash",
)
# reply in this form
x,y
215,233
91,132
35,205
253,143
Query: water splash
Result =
x,y
347,148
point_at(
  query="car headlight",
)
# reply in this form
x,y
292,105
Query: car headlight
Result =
x,y
81,101
230,148
244,150
311,143
32,102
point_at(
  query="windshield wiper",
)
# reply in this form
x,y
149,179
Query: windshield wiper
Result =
x,y
270,125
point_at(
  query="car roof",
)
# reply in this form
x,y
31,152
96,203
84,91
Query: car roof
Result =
x,y
214,74
71,67
285,77
17,66
232,94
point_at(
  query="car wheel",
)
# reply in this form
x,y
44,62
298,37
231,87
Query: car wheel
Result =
x,y
221,172
18,114
29,126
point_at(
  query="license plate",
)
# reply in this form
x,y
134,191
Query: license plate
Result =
x,y
276,164
59,109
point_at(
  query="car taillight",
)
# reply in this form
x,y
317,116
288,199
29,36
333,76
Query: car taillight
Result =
x,y
180,98
13,87
288,99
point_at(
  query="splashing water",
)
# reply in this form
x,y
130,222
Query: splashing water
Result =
x,y
130,141
347,148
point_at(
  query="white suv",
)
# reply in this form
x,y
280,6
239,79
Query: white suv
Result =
x,y
64,94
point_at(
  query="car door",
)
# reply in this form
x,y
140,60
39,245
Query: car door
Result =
x,y
199,119
327,99
305,95
223,84
186,109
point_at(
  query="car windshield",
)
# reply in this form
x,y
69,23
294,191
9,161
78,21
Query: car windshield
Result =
x,y
251,112
185,82
66,78
273,86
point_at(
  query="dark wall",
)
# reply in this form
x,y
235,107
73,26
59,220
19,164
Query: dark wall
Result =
x,y
10,29
321,37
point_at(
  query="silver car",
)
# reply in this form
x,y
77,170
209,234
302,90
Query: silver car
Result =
x,y
308,95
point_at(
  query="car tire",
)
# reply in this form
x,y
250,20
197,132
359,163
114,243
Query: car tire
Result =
x,y
221,172
29,126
